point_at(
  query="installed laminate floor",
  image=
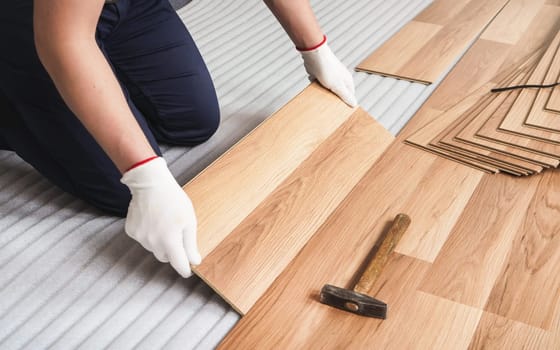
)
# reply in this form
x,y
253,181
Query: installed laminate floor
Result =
x,y
477,268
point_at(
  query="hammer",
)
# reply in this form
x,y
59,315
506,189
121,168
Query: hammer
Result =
x,y
356,300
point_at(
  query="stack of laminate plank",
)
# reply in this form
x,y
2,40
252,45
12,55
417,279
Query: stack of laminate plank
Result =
x,y
301,201
513,131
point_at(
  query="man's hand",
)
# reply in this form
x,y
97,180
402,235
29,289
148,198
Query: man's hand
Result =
x,y
321,64
161,216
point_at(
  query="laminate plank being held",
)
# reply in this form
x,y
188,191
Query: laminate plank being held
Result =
x,y
236,183
250,258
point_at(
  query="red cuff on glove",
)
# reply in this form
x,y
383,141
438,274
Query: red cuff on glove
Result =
x,y
136,165
314,47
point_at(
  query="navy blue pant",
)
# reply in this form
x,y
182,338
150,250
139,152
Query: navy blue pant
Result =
x,y
160,69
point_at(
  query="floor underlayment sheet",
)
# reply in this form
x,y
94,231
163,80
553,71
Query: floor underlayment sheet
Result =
x,y
71,278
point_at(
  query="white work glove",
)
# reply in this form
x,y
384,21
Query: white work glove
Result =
x,y
161,216
321,64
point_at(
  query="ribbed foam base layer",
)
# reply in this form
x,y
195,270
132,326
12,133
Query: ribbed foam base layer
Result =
x,y
71,278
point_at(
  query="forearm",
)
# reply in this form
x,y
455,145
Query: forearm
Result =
x,y
90,89
298,20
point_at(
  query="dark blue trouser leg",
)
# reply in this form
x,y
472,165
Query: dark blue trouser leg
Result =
x,y
165,79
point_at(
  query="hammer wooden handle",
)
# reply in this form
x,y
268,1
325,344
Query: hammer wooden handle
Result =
x,y
376,265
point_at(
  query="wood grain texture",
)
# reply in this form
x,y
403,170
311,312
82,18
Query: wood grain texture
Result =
x,y
514,122
539,117
516,14
481,131
496,110
472,258
470,241
491,132
336,252
484,58
237,182
448,140
250,258
553,104
409,40
495,332
442,12
528,289
427,63
309,314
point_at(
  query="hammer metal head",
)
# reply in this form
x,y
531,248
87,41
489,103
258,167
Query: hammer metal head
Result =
x,y
357,303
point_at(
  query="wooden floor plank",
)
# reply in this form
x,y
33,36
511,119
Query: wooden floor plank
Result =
x,y
538,34
473,256
553,104
514,122
516,14
235,184
441,12
528,289
485,127
300,303
250,258
469,238
496,111
426,242
476,59
495,332
338,249
539,117
406,42
446,121
447,139
427,63
490,131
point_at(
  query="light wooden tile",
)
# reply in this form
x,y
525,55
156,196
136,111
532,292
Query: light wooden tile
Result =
x,y
426,236
514,122
465,134
472,258
447,138
495,332
476,68
427,63
337,251
553,104
442,12
528,289
237,182
250,258
491,132
398,51
482,131
539,116
474,61
516,14
266,326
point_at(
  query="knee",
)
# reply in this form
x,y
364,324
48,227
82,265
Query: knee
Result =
x,y
206,120
193,124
